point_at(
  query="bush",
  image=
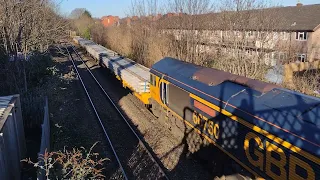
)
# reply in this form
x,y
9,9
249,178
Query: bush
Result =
x,y
74,164
38,69
86,34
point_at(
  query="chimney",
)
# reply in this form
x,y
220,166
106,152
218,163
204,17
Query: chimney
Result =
x,y
170,14
299,4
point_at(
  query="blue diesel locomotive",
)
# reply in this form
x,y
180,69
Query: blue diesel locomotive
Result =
x,y
272,132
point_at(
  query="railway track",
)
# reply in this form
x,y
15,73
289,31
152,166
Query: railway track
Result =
x,y
130,152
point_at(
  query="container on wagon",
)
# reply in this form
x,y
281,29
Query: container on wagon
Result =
x,y
133,75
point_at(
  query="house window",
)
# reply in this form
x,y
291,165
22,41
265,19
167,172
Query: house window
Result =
x,y
237,33
302,57
282,56
235,52
262,35
275,35
224,50
267,56
249,52
227,33
302,36
267,59
284,35
249,33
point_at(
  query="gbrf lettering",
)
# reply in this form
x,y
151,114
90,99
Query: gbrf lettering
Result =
x,y
267,155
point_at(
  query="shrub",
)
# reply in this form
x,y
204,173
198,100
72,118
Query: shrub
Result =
x,y
74,164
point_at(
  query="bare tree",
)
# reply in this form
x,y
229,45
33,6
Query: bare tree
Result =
x,y
239,36
27,26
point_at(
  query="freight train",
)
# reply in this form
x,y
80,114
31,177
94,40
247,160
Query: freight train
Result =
x,y
272,132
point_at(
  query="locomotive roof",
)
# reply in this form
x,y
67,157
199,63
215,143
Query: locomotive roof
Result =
x,y
287,114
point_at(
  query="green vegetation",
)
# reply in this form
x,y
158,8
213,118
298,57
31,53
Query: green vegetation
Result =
x,y
86,34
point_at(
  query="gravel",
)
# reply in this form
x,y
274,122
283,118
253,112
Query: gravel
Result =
x,y
170,150
133,156
73,124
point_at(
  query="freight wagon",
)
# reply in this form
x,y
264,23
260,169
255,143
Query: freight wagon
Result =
x,y
133,75
272,132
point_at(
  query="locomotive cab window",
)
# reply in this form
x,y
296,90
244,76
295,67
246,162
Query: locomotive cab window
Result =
x,y
179,102
152,80
164,93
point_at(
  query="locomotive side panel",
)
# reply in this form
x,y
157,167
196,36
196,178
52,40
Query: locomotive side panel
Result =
x,y
239,139
252,147
263,147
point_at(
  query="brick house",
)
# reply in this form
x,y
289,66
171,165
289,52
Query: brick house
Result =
x,y
277,35
131,20
108,21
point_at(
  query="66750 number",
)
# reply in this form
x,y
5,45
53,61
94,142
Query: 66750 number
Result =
x,y
205,125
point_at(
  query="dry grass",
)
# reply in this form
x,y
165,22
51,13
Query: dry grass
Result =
x,y
138,43
306,82
149,47
120,40
74,164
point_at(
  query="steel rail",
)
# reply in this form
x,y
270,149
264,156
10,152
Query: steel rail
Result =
x,y
97,115
121,114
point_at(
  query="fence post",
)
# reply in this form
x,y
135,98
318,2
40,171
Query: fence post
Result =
x,y
45,138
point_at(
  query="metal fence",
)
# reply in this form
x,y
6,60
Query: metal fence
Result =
x,y
12,139
45,137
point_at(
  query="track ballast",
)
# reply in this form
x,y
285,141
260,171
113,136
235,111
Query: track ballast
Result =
x,y
129,150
